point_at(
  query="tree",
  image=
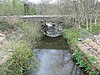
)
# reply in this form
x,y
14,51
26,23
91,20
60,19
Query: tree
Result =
x,y
18,7
32,9
11,7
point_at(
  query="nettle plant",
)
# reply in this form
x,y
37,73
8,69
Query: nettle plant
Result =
x,y
84,62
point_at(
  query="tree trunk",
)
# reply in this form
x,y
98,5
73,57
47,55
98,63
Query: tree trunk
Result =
x,y
79,22
90,23
82,20
75,21
87,23
95,21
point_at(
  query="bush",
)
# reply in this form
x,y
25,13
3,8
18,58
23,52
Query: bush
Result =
x,y
84,61
9,23
96,29
72,35
32,32
23,58
3,27
21,61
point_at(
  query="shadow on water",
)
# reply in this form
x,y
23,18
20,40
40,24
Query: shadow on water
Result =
x,y
53,43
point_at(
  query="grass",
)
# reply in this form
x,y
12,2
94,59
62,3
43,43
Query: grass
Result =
x,y
23,58
95,29
72,34
2,27
21,61
85,62
32,32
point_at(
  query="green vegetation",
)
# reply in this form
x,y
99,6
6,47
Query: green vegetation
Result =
x,y
8,24
21,61
15,7
12,7
32,10
96,29
2,27
84,61
32,32
72,35
23,58
18,7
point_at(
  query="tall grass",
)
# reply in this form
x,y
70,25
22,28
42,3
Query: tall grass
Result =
x,y
21,61
32,32
23,57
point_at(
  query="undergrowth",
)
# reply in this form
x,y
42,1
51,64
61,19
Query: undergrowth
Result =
x,y
72,35
85,62
23,57
95,29
21,61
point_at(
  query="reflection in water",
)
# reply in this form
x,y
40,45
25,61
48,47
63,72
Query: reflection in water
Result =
x,y
56,62
53,43
52,29
54,58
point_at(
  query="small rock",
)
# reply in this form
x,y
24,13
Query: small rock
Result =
x,y
80,39
87,40
95,47
2,35
10,50
89,48
98,35
98,50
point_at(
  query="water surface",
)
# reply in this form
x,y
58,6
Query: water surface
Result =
x,y
54,58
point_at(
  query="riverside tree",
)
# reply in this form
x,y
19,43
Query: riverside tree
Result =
x,y
16,7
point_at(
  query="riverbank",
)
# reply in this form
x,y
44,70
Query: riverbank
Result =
x,y
85,59
16,55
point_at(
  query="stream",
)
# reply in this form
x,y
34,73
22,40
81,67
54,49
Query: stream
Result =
x,y
54,58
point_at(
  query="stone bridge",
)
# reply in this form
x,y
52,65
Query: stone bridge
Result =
x,y
52,24
40,17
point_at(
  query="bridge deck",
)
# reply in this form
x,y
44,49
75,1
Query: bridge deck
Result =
x,y
37,16
40,17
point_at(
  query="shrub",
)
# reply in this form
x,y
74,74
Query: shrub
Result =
x,y
96,29
9,23
21,61
23,58
85,61
32,32
72,35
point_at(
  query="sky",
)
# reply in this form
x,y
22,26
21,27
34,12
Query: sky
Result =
x,y
37,1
